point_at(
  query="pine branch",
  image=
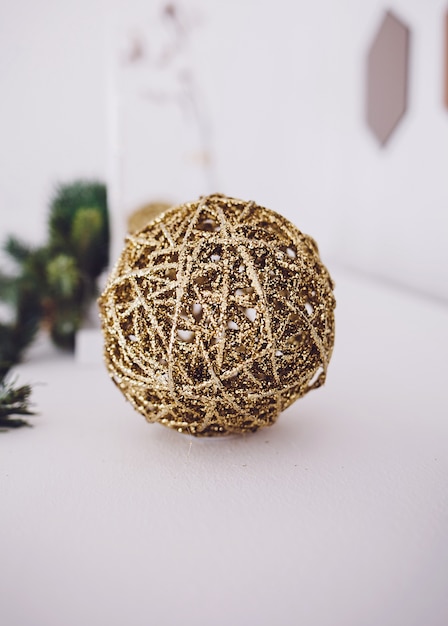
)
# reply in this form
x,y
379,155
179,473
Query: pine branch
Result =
x,y
14,401
8,288
51,285
17,250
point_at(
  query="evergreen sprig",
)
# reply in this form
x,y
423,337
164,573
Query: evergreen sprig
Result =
x,y
14,401
52,285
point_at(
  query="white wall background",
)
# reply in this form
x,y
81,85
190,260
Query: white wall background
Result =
x,y
392,204
282,85
52,105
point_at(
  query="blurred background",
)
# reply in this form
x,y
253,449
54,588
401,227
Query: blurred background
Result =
x,y
165,101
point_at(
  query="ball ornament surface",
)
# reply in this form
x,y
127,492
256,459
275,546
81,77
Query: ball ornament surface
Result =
x,y
218,315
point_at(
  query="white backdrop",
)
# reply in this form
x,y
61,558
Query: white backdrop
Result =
x,y
280,85
52,104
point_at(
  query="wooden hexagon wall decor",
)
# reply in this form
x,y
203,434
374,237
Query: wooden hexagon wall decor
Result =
x,y
387,77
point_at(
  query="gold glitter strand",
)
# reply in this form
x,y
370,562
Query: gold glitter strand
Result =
x,y
218,315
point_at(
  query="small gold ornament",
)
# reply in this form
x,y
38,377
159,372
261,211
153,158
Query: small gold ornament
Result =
x,y
145,214
218,315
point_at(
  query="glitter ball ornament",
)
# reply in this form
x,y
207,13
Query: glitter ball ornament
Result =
x,y
218,315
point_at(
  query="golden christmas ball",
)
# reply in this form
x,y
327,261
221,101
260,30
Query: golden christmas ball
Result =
x,y
218,315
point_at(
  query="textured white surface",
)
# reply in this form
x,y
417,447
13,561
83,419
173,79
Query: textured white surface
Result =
x,y
336,516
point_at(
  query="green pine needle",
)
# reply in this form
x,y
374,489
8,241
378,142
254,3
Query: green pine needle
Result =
x,y
14,401
17,250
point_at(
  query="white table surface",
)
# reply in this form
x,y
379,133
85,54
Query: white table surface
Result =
x,y
337,515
